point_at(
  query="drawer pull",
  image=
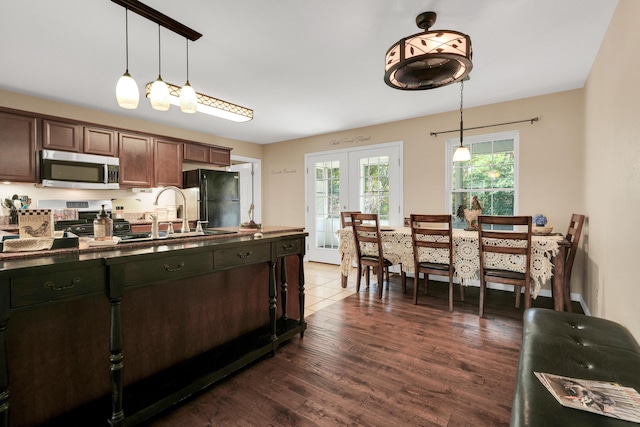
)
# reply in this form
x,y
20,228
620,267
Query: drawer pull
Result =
x,y
288,247
53,286
170,269
245,255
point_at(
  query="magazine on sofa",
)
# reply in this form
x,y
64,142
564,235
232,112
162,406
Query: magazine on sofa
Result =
x,y
599,397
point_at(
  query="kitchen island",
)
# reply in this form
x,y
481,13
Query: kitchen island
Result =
x,y
99,336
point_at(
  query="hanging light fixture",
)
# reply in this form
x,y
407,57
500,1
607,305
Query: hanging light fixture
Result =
x,y
127,92
188,99
159,91
428,60
462,153
162,94
209,105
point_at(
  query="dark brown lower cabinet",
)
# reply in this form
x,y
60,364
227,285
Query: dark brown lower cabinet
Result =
x,y
117,338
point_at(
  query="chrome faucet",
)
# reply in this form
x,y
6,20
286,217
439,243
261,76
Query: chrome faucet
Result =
x,y
154,226
185,220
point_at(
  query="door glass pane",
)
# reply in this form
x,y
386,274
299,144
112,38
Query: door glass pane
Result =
x,y
327,204
374,186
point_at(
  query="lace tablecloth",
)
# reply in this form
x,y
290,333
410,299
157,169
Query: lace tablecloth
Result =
x,y
396,246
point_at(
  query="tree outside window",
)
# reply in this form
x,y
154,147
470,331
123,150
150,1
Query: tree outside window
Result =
x,y
490,175
374,178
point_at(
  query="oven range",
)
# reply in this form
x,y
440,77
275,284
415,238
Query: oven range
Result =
x,y
87,211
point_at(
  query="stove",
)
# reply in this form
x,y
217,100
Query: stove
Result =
x,y
87,211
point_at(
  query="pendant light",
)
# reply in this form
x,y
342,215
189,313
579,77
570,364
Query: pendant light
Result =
x,y
159,95
462,153
188,99
127,92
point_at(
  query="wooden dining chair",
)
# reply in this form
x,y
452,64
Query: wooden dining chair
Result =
x,y
345,222
345,218
495,243
432,234
369,250
573,236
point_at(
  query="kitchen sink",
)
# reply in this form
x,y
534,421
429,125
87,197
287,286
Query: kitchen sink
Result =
x,y
162,235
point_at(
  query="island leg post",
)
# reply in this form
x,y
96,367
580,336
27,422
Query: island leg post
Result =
x,y
4,364
272,303
4,378
301,291
117,365
283,287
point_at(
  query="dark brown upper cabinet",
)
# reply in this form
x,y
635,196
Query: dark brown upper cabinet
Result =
x,y
18,139
100,141
203,153
136,160
61,136
168,162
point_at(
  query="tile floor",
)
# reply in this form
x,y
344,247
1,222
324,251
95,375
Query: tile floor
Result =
x,y
323,286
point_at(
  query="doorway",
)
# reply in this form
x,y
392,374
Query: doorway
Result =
x,y
250,186
366,179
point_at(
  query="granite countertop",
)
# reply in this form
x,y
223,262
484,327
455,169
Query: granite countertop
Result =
x,y
84,247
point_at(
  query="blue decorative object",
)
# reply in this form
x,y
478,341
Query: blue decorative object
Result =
x,y
540,220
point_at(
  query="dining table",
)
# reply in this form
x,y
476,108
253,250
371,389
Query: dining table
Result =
x,y
548,254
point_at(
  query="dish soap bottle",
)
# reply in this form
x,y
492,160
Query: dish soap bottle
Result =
x,y
102,226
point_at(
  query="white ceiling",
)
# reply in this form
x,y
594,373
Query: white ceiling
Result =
x,y
305,67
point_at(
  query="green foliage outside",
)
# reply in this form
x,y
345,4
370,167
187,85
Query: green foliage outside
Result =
x,y
490,175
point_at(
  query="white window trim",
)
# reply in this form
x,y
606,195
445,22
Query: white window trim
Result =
x,y
451,143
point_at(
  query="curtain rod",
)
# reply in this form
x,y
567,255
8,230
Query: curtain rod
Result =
x,y
535,119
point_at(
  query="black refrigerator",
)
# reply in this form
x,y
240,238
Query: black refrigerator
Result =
x,y
219,199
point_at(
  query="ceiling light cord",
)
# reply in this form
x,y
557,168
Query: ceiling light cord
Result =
x,y
462,153
187,42
160,98
461,125
188,97
159,54
126,37
127,93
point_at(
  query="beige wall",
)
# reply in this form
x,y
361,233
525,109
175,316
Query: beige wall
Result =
x,y
551,152
612,171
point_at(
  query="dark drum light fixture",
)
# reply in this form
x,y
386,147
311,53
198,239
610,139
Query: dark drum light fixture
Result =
x,y
428,60
205,104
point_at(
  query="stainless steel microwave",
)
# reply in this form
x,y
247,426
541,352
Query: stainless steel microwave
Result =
x,y
77,170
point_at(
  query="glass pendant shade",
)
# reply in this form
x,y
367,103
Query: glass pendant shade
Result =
x,y
127,92
462,154
159,96
188,99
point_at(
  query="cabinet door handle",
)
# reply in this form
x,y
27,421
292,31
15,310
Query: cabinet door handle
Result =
x,y
176,268
54,287
241,256
288,247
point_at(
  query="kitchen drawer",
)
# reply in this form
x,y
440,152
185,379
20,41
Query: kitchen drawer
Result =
x,y
241,255
167,268
288,247
42,288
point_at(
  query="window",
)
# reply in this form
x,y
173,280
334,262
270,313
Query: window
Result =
x,y
491,174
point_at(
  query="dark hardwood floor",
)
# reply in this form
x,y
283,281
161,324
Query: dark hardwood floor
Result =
x,y
370,362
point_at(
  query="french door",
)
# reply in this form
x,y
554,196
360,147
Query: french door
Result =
x,y
367,179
